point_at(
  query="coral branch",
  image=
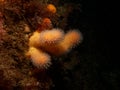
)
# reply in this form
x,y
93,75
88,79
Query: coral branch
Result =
x,y
46,37
55,42
71,39
50,37
39,58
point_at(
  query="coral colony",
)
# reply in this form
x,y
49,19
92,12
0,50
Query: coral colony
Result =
x,y
31,35
47,40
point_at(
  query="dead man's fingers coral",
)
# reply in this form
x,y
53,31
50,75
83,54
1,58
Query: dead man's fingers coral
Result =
x,y
34,40
71,39
45,24
51,8
46,37
51,37
39,58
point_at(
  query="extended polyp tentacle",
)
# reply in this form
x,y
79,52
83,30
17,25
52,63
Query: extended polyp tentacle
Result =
x,y
71,39
39,58
51,37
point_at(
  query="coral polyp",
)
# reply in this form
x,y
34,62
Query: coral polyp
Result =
x,y
54,42
33,42
51,8
71,39
51,36
39,58
45,24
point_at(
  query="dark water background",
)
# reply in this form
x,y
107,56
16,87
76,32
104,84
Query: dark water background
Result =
x,y
97,70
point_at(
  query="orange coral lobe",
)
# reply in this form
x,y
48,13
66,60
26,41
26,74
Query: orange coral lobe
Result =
x,y
51,36
47,20
51,8
46,24
34,40
52,41
73,37
39,58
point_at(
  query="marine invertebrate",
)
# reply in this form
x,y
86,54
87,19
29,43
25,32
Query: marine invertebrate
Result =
x,y
47,39
51,41
45,24
51,8
39,58
71,39
21,19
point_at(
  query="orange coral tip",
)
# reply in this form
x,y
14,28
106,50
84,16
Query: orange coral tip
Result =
x,y
39,58
51,37
51,8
